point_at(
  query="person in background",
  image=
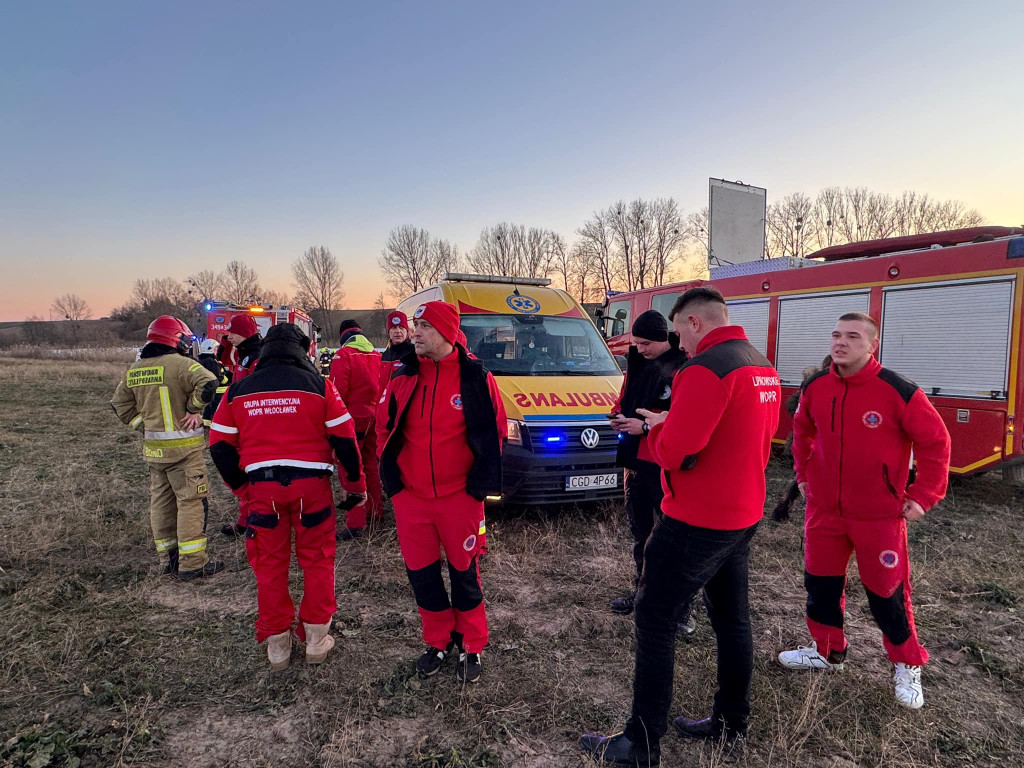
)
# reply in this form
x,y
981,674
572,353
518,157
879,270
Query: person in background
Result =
x,y
399,346
244,337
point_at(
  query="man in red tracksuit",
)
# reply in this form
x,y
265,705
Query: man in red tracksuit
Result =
x,y
713,445
245,342
275,439
355,372
441,426
853,434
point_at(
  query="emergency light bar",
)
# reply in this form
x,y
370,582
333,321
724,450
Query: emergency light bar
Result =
x,y
462,277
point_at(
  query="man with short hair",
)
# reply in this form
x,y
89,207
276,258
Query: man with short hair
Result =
x,y
713,443
440,427
652,362
855,430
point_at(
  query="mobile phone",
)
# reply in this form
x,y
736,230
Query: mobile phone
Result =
x,y
612,416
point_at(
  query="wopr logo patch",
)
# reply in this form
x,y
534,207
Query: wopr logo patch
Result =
x,y
456,401
420,310
889,558
872,419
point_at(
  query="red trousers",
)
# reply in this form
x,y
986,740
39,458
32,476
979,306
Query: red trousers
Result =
x,y
305,506
884,565
374,507
425,528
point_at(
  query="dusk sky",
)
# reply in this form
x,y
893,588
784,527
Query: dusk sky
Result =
x,y
150,139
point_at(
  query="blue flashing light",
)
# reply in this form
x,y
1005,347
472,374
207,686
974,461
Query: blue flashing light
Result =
x,y
554,439
209,307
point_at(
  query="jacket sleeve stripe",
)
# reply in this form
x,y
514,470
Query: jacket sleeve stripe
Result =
x,y
340,420
222,428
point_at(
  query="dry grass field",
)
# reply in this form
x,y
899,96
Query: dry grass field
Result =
x,y
105,663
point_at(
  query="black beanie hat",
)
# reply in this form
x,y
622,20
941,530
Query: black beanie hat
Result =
x,y
651,325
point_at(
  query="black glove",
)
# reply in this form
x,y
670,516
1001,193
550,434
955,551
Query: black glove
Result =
x,y
352,500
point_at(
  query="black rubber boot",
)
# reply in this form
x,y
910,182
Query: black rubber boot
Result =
x,y
172,562
211,568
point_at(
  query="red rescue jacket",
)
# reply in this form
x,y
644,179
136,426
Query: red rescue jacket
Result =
x,y
440,428
246,355
284,414
852,440
355,371
715,443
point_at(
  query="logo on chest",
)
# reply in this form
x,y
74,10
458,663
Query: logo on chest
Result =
x,y
872,419
456,401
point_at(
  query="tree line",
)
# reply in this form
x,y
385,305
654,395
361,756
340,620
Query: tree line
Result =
x,y
645,243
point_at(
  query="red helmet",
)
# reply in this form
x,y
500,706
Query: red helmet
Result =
x,y
171,331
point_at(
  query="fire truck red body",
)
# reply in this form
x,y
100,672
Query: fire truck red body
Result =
x,y
219,314
948,305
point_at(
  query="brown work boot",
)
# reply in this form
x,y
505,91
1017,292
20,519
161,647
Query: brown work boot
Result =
x,y
279,650
318,642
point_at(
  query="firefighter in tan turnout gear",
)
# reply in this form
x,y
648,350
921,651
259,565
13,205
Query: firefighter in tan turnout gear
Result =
x,y
163,395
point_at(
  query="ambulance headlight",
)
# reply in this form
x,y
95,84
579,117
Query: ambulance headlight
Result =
x,y
515,432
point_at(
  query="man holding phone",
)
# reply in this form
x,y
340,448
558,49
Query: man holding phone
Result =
x,y
652,362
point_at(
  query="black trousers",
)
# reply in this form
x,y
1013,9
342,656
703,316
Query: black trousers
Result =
x,y
643,495
679,560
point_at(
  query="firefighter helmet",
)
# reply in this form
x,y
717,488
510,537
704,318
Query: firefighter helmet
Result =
x,y
171,331
208,347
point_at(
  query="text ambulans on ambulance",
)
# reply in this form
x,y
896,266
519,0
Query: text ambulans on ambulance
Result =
x,y
557,380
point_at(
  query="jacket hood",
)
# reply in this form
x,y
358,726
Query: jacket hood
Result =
x,y
155,349
360,342
285,343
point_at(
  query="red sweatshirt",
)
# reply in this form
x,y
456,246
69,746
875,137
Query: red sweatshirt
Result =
x,y
852,440
356,374
715,443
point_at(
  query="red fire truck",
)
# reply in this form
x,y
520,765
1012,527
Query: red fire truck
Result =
x,y
219,314
948,305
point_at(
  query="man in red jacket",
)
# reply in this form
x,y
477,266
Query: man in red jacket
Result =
x,y
399,346
713,445
441,428
853,434
275,439
355,372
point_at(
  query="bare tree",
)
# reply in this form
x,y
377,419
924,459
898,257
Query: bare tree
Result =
x,y
71,306
205,284
240,282
789,226
411,260
320,281
276,298
669,235
513,250
597,248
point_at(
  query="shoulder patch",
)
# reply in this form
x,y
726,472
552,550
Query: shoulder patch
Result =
x,y
722,359
904,386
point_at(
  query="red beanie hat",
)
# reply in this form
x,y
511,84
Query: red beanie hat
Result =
x,y
397,319
244,326
443,316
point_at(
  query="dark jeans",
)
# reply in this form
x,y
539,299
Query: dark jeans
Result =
x,y
643,506
679,560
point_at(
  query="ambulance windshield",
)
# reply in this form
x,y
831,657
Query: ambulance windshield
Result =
x,y
535,345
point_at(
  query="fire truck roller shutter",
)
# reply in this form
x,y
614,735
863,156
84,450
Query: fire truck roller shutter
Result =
x,y
805,329
916,341
753,316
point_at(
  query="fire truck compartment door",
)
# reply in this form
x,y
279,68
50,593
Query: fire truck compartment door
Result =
x,y
805,330
950,340
753,316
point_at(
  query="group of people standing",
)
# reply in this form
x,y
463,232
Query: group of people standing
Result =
x,y
697,412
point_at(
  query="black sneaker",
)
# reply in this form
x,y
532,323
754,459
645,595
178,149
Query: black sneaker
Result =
x,y
469,668
430,660
617,749
233,530
624,605
686,621
347,534
732,739
209,569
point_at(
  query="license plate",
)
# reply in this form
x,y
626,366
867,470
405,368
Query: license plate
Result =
x,y
583,482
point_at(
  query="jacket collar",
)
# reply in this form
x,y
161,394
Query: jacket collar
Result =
x,y
718,335
359,342
868,371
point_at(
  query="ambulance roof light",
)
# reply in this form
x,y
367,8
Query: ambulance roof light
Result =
x,y
462,277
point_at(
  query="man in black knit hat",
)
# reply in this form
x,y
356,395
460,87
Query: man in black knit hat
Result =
x,y
652,363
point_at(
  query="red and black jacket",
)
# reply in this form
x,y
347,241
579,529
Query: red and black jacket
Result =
x,y
356,374
391,360
852,441
714,444
440,427
247,354
284,414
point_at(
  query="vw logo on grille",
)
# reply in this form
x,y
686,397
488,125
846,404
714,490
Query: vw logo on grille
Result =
x,y
590,438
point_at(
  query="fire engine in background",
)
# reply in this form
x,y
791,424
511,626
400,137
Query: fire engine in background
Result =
x,y
557,381
948,305
219,314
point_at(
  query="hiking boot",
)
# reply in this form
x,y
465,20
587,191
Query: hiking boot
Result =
x,y
803,657
318,641
469,668
348,534
430,660
907,682
732,739
618,749
206,571
233,530
279,650
172,562
624,605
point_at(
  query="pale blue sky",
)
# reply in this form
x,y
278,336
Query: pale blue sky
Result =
x,y
144,139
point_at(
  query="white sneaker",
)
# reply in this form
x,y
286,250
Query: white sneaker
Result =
x,y
907,682
807,658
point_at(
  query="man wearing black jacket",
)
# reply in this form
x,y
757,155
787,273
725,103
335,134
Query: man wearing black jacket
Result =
x,y
652,363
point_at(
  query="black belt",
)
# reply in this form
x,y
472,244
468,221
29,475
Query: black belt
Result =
x,y
284,475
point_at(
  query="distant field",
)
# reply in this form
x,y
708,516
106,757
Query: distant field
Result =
x,y
106,663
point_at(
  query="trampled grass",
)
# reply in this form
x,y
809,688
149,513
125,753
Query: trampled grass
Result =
x,y
105,663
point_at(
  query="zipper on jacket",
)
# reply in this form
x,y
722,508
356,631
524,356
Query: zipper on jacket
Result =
x,y
842,437
423,402
888,482
433,401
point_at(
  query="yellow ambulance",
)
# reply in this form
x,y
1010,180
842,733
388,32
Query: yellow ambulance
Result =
x,y
557,379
